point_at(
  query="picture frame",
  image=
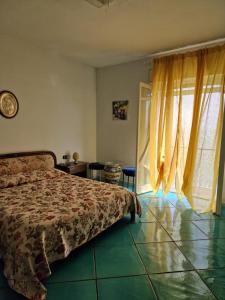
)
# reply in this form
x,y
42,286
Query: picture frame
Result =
x,y
9,104
120,110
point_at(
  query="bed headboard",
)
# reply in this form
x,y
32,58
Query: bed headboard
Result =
x,y
12,163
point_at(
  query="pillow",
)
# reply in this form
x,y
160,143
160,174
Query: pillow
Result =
x,y
15,165
7,181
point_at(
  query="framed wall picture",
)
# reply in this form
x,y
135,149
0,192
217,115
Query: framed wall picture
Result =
x,y
9,105
120,109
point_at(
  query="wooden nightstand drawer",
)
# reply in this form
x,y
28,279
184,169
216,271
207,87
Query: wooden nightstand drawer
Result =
x,y
79,169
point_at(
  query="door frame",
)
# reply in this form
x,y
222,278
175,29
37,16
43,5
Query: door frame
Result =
x,y
148,86
220,187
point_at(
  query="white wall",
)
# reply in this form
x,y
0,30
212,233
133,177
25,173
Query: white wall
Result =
x,y
57,99
116,140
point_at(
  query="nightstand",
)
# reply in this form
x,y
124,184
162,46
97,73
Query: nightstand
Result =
x,y
79,169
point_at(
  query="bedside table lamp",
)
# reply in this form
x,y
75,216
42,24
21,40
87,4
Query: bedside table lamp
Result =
x,y
75,157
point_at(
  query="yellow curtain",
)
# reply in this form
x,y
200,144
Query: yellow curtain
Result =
x,y
187,107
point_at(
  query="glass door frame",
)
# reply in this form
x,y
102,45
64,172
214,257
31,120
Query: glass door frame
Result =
x,y
220,185
147,86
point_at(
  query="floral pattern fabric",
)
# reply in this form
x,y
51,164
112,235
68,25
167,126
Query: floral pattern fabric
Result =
x,y
22,178
14,165
45,215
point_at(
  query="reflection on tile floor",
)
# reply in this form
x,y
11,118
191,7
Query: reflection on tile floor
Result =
x,y
182,286
215,279
170,253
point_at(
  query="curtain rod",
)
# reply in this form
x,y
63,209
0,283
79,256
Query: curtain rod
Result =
x,y
187,48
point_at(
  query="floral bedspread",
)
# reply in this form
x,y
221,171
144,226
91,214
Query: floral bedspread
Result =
x,y
44,215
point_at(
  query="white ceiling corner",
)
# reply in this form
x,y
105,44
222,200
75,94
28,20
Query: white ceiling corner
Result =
x,y
125,30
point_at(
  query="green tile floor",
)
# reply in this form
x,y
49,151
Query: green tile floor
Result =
x,y
169,253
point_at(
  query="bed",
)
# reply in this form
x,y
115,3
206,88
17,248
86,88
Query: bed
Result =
x,y
46,213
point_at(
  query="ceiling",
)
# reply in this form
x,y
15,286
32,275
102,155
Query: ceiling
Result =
x,y
126,30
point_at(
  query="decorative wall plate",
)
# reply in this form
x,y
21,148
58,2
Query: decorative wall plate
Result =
x,y
9,105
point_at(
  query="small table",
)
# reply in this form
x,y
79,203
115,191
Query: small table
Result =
x,y
79,169
98,167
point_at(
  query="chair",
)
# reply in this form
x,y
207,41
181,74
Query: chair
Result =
x,y
129,172
96,166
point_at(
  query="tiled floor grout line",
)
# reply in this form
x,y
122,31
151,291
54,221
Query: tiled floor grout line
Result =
x,y
95,270
131,275
206,284
192,221
162,225
192,266
151,284
70,281
209,238
122,276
